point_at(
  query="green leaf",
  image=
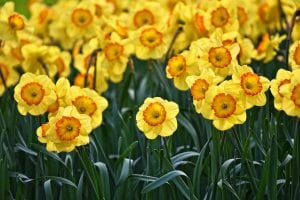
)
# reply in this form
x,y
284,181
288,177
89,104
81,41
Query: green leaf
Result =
x,y
48,190
104,179
184,155
190,129
162,180
25,149
80,185
126,171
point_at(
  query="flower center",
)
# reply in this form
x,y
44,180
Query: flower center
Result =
x,y
199,89
283,82
251,84
199,21
219,17
154,114
32,93
85,105
54,107
263,12
219,57
98,10
224,105
43,15
67,128
296,55
113,51
242,15
81,18
80,79
45,128
16,22
176,65
143,17
151,38
296,95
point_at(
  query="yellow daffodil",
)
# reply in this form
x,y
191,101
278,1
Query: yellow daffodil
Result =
x,y
294,55
224,107
10,75
66,130
283,77
87,102
34,94
252,86
181,66
291,95
157,117
40,59
200,84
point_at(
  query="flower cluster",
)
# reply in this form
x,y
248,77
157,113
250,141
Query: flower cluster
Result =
x,y
213,42
73,112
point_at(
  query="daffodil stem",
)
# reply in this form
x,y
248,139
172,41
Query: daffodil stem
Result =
x,y
3,80
296,159
177,32
92,60
290,28
282,15
164,140
240,149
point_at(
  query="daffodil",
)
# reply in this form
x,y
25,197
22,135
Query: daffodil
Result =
x,y
34,94
179,67
200,84
294,55
87,102
157,117
283,77
291,95
251,85
66,130
224,107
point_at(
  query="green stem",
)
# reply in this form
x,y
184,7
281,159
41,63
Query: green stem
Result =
x,y
240,149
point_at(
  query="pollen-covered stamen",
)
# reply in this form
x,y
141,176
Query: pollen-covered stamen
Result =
x,y
224,105
67,128
176,65
199,22
154,114
220,17
16,22
85,105
219,57
282,83
143,17
242,15
151,38
199,89
296,95
113,51
81,18
251,84
296,55
32,93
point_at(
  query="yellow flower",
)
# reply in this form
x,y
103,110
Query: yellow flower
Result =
x,y
157,117
252,86
62,63
34,94
67,130
10,76
291,95
200,84
247,50
150,42
294,55
266,49
214,53
181,66
40,59
283,77
41,16
11,24
87,102
221,14
224,107
62,88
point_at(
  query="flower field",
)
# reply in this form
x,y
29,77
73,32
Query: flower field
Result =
x,y
152,99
